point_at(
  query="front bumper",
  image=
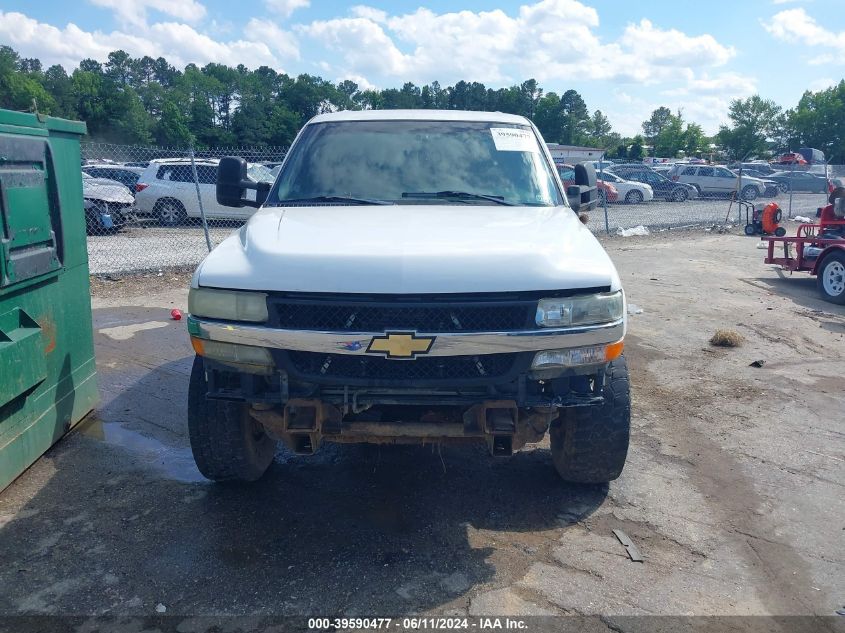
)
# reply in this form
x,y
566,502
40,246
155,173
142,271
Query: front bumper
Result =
x,y
446,344
459,368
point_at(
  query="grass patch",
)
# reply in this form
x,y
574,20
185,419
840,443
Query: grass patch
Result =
x,y
726,338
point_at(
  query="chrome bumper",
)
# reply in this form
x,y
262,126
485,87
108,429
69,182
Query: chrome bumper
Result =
x,y
446,344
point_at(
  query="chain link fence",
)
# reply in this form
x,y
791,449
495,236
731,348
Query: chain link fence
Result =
x,y
144,206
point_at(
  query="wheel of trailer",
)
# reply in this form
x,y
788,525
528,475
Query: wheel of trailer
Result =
x,y
170,212
590,444
227,443
634,197
780,231
680,195
749,192
750,229
831,279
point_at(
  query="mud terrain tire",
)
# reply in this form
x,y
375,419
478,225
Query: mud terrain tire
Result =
x,y
228,445
589,444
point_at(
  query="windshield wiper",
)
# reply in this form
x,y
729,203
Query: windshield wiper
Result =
x,y
338,199
456,195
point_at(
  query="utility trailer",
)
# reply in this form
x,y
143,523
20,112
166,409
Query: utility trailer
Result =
x,y
817,248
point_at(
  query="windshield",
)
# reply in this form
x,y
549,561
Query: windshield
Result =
x,y
417,162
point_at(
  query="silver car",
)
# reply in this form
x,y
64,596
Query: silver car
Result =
x,y
108,204
717,181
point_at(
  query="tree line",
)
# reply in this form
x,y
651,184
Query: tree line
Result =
x,y
148,101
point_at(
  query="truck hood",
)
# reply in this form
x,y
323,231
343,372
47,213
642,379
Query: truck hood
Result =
x,y
409,249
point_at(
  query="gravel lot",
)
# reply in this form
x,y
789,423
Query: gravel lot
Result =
x,y
150,247
733,491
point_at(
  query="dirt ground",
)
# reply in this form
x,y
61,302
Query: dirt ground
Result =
x,y
733,490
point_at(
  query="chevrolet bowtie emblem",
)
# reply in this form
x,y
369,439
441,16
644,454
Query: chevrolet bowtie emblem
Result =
x,y
400,344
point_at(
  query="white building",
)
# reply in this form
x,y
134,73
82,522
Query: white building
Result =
x,y
574,153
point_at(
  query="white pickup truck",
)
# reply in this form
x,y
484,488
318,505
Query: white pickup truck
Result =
x,y
410,277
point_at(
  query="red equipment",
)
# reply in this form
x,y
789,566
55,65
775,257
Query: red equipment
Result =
x,y
819,249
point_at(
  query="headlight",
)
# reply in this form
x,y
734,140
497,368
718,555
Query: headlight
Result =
x,y
230,305
572,311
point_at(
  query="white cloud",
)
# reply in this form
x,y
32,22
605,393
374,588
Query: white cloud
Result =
x,y
366,48
795,26
376,15
725,84
286,7
179,43
551,40
134,12
674,48
822,83
280,41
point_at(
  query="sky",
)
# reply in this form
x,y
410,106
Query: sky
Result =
x,y
626,58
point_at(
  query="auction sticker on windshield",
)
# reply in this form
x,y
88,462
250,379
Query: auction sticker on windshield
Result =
x,y
509,139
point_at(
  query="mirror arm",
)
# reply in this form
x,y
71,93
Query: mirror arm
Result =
x,y
260,188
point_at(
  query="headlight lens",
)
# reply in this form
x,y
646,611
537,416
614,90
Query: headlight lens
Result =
x,y
588,310
230,305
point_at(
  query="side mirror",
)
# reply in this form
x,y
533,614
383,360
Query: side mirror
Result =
x,y
232,182
585,178
573,194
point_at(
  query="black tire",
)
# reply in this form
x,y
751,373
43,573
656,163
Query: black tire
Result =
x,y
749,192
228,445
784,187
634,197
170,212
780,231
831,278
750,229
590,444
679,194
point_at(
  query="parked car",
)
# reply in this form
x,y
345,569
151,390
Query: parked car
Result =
x,y
630,191
712,180
126,175
108,204
605,190
790,158
758,166
800,181
167,190
662,186
772,188
449,300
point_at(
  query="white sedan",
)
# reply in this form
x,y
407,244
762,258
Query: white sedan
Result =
x,y
629,191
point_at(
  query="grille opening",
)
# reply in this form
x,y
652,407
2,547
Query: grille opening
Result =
x,y
377,368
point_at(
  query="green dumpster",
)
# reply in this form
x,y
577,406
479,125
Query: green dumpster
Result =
x,y
47,372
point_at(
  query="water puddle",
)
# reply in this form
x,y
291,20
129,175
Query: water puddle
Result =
x,y
126,332
174,463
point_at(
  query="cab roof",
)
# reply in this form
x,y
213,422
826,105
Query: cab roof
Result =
x,y
420,115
